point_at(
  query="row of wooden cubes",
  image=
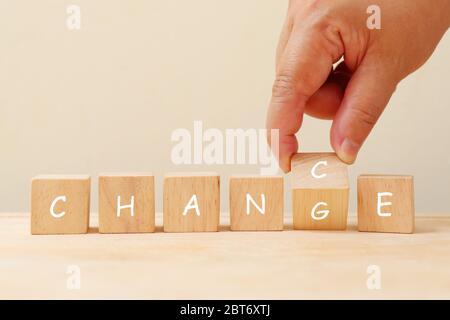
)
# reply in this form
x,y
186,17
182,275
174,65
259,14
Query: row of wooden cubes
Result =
x,y
191,201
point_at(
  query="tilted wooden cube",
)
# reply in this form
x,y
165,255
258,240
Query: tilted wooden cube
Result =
x,y
386,203
320,191
191,202
126,203
60,204
256,203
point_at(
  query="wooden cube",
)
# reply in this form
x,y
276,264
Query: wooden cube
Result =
x,y
320,191
60,204
386,203
256,203
191,202
126,203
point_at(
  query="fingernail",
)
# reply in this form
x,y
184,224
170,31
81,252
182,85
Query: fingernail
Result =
x,y
348,151
286,167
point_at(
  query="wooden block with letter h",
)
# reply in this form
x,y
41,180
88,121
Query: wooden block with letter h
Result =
x,y
256,203
320,191
191,202
126,203
60,204
386,203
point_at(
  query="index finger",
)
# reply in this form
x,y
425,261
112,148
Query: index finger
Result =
x,y
303,68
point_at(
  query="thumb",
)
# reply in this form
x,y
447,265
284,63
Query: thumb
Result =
x,y
365,98
305,65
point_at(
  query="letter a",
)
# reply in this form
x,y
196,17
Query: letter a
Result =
x,y
374,21
74,280
374,280
192,204
73,21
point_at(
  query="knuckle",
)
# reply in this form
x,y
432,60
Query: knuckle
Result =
x,y
325,24
365,116
333,41
283,86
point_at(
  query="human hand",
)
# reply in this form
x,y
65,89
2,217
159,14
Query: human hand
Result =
x,y
317,34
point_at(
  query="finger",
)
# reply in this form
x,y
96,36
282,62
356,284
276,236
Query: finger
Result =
x,y
327,100
303,68
286,31
365,98
283,40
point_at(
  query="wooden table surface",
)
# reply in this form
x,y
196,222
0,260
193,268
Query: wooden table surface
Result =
x,y
226,265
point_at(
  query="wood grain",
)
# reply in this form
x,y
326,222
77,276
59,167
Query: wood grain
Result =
x,y
271,188
140,188
75,206
179,188
402,203
304,201
335,170
226,265
320,192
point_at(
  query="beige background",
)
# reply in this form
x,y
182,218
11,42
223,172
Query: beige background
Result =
x,y
107,97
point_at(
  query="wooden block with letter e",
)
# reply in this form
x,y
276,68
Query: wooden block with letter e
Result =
x,y
126,203
256,203
60,204
191,202
320,191
386,203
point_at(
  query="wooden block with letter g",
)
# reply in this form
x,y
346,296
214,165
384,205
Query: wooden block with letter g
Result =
x,y
191,202
126,203
60,204
386,203
256,203
320,191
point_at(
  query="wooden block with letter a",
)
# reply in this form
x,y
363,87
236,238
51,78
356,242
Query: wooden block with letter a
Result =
x,y
320,191
386,203
126,203
191,202
256,203
60,204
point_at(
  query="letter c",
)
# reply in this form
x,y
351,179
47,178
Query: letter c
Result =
x,y
52,207
313,170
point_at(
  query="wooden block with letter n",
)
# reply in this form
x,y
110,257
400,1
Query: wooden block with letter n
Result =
x,y
256,203
320,191
191,202
60,204
126,203
386,203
